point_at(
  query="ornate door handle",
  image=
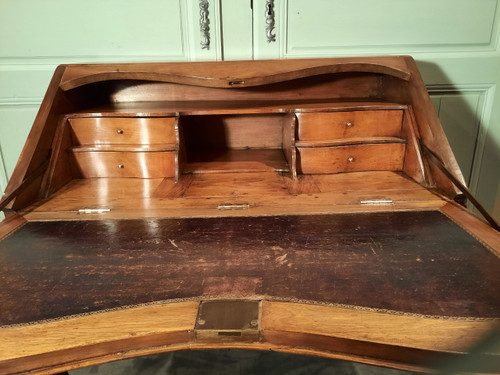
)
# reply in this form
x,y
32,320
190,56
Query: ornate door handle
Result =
x,y
270,21
204,25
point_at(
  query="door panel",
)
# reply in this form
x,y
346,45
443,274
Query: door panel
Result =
x,y
386,25
92,29
459,114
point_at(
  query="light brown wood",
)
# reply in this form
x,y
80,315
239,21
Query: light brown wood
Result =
x,y
235,186
289,150
269,193
252,160
59,171
349,141
106,336
236,74
140,164
202,106
356,158
353,124
413,161
84,339
378,327
123,131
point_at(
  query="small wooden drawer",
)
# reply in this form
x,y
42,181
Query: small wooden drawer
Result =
x,y
140,164
352,158
327,126
123,130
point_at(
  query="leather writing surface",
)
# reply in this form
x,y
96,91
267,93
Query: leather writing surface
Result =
x,y
411,262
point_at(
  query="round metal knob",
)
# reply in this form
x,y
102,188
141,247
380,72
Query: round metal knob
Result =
x,y
121,166
349,124
350,159
119,131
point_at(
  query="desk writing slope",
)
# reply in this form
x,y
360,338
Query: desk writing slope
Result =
x,y
275,205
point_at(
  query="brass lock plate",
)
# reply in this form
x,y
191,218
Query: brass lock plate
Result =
x,y
228,321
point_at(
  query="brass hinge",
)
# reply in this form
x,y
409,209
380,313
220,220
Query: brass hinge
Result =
x,y
93,210
233,206
376,201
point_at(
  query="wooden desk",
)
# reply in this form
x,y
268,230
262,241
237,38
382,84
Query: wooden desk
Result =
x,y
272,205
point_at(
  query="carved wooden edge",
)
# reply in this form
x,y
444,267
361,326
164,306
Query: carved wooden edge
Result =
x,y
432,134
475,226
235,74
39,141
393,340
11,223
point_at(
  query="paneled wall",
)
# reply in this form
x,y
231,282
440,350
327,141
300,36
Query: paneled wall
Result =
x,y
455,43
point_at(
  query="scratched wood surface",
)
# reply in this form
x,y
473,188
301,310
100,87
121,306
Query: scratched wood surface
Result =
x,y
414,262
266,193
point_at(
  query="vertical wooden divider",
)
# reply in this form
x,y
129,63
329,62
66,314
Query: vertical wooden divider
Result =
x,y
289,150
413,163
177,148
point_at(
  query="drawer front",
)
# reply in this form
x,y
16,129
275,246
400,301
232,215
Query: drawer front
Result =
x,y
153,164
356,124
123,130
354,158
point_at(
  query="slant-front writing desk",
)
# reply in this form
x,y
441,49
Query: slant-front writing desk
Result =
x,y
305,206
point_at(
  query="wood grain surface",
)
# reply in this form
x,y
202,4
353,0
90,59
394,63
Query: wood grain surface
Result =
x,y
405,342
123,131
353,124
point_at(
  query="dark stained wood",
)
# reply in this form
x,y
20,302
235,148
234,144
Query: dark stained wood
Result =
x,y
413,262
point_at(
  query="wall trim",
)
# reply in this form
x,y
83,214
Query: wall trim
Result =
x,y
3,175
16,102
484,112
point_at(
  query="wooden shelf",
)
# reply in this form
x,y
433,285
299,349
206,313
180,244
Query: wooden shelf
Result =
x,y
349,142
266,192
254,160
208,107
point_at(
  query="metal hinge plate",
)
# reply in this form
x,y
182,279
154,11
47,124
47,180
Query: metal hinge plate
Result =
x,y
93,210
228,320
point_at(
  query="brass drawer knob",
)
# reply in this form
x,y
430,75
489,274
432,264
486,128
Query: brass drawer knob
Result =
x,y
349,124
350,159
121,166
119,131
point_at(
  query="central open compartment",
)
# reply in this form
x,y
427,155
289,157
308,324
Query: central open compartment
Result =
x,y
236,143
